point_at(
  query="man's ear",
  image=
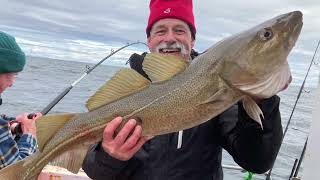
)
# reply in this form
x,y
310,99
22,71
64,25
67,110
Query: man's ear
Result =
x,y
192,43
148,40
148,43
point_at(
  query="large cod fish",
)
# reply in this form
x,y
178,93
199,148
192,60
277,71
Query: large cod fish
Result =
x,y
249,64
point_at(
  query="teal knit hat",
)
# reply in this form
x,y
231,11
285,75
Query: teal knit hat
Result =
x,y
12,59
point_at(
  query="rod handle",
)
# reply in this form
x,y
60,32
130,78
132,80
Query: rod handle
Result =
x,y
17,130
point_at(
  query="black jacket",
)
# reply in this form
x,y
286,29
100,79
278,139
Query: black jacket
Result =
x,y
199,157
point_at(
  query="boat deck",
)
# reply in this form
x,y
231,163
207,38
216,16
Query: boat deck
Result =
x,y
57,173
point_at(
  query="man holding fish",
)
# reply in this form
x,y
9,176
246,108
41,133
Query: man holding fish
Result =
x,y
250,130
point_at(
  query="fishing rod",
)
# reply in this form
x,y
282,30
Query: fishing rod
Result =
x,y
17,129
294,167
297,168
296,102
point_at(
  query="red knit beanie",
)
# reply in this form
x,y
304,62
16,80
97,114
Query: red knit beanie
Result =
x,y
179,9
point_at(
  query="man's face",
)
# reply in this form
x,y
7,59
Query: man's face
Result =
x,y
7,80
171,36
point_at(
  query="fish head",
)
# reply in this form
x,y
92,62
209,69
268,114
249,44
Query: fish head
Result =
x,y
259,64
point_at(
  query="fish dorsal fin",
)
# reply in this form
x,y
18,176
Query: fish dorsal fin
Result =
x,y
162,67
47,126
252,109
123,83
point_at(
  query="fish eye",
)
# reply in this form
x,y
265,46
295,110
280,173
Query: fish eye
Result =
x,y
265,34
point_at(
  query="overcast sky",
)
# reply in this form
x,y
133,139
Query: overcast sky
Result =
x,y
80,29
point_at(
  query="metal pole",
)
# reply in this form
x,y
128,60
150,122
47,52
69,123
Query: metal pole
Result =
x,y
301,158
231,167
293,168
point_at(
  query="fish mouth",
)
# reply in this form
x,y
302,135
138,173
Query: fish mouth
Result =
x,y
289,25
296,16
296,31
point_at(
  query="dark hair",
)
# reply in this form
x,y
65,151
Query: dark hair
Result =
x,y
193,35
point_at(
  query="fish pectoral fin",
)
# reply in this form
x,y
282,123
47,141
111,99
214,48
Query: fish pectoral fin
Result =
x,y
71,159
48,125
162,67
252,109
125,82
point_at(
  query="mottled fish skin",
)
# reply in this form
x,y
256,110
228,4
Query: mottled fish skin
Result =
x,y
213,82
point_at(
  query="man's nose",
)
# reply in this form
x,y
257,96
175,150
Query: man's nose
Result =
x,y
170,37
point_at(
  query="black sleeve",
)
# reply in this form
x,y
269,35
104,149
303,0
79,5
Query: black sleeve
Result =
x,y
99,165
251,147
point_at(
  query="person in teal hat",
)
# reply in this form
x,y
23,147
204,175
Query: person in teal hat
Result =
x,y
12,148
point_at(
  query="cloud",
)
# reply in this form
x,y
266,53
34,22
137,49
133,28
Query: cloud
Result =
x,y
60,23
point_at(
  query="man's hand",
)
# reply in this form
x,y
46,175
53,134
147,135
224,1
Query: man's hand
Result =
x,y
125,144
28,125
